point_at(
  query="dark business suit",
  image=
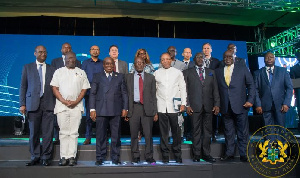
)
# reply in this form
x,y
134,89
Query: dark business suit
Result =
x,y
90,67
233,97
109,98
295,74
142,114
272,96
191,64
201,98
58,63
39,109
214,63
122,67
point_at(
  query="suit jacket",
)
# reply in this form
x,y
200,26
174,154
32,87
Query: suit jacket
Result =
x,y
30,88
108,98
295,71
198,94
58,63
191,65
280,91
177,64
236,93
149,94
214,63
123,67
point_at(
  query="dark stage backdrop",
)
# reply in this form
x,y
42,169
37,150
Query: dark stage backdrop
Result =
x,y
17,50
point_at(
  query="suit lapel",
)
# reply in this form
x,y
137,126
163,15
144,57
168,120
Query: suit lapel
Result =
x,y
265,76
35,71
113,79
275,75
223,76
144,82
104,80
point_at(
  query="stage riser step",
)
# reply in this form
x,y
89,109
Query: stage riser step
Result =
x,y
88,152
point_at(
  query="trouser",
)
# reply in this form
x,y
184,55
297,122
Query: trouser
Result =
x,y
139,118
68,121
172,118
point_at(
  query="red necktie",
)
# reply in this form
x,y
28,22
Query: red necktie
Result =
x,y
141,89
201,75
115,68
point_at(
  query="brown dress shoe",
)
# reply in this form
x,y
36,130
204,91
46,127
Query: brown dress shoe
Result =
x,y
87,141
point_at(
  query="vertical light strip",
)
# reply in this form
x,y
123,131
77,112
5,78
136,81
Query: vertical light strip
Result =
x,y
93,27
158,30
75,27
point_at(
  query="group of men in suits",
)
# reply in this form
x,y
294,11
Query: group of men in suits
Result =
x,y
205,87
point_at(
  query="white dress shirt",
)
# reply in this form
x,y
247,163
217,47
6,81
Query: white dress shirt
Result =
x,y
272,69
70,83
169,84
117,65
43,72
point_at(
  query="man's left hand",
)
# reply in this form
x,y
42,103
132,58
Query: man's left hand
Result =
x,y
248,105
124,113
155,118
182,107
216,110
284,108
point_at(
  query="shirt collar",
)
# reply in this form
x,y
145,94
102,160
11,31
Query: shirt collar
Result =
x,y
38,63
136,73
108,73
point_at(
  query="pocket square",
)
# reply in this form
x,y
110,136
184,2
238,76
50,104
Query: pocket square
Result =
x,y
210,74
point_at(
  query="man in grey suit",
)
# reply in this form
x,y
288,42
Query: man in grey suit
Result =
x,y
108,103
274,91
177,64
203,101
38,101
141,88
120,66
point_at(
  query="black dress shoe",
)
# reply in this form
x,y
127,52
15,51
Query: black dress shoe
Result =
x,y
63,161
87,141
227,158
196,158
56,142
150,160
243,158
165,159
99,162
178,160
33,162
46,162
72,161
135,160
209,158
116,162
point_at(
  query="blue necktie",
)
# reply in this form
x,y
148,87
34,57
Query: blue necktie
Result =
x,y
109,77
270,75
41,79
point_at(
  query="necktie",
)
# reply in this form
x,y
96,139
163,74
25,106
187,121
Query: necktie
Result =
x,y
207,62
201,75
186,63
270,75
115,70
41,79
109,77
141,89
227,75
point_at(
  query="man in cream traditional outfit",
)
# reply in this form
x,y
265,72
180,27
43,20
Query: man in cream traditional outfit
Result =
x,y
69,85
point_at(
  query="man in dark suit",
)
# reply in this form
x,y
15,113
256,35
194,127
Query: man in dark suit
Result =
x,y
108,103
58,63
90,67
38,101
141,88
234,81
210,62
274,91
120,66
295,74
203,101
232,47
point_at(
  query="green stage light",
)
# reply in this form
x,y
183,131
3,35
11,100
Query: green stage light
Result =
x,y
273,44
